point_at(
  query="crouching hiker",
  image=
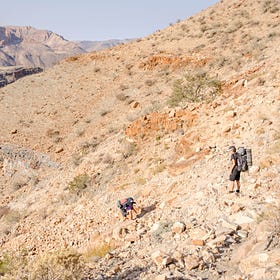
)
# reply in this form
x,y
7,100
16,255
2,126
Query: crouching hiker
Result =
x,y
127,206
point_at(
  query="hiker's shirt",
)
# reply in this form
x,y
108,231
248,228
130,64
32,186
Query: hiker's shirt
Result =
x,y
129,206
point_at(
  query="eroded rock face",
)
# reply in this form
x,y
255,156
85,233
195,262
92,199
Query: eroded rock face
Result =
x,y
15,159
9,75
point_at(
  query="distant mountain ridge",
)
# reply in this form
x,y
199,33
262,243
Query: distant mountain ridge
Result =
x,y
30,47
90,46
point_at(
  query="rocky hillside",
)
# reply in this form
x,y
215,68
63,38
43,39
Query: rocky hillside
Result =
x,y
152,119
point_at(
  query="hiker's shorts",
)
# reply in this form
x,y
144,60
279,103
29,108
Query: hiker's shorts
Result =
x,y
235,175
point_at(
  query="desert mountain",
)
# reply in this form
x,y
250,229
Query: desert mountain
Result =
x,y
152,119
30,47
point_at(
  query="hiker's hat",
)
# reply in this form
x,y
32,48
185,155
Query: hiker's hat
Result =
x,y
231,148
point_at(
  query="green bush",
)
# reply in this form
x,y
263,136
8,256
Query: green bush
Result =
x,y
197,87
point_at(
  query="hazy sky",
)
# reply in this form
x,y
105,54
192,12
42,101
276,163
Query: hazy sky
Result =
x,y
99,19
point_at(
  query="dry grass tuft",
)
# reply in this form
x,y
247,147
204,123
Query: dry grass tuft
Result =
x,y
98,251
62,265
79,183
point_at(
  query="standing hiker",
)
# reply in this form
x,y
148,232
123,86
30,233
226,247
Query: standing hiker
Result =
x,y
234,176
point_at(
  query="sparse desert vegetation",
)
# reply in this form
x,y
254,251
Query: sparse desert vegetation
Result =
x,y
152,119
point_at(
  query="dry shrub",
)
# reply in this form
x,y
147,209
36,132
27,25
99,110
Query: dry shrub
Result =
x,y
121,96
260,131
159,168
79,183
72,59
275,222
13,267
12,217
129,148
63,265
140,181
98,251
19,181
271,6
271,214
108,159
89,146
77,159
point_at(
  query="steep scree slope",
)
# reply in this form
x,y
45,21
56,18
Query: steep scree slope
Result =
x,y
104,117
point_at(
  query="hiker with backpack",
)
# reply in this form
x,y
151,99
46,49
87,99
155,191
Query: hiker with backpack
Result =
x,y
127,206
234,176
240,159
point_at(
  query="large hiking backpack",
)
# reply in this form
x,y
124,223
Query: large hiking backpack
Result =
x,y
244,159
121,203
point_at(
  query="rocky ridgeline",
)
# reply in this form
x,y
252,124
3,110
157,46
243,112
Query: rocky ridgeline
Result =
x,y
9,75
